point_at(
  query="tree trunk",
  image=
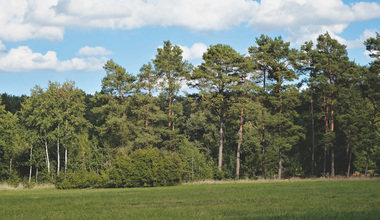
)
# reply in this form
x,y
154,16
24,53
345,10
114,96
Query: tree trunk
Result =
x,y
220,161
348,153
332,162
10,165
280,132
170,114
84,158
279,164
367,162
332,146
312,135
36,174
239,144
47,156
326,130
30,162
65,159
58,156
263,135
263,149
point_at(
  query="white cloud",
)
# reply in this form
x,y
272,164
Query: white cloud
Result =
x,y
28,19
306,19
93,51
194,52
23,59
357,43
302,19
2,46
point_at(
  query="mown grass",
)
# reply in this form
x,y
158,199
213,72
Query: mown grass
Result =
x,y
243,200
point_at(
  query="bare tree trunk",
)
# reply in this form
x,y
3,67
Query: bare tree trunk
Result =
x,y
58,156
279,164
332,146
263,152
332,162
348,153
84,158
170,114
263,135
47,156
65,159
280,132
220,161
367,162
312,135
326,130
239,144
36,174
10,165
30,162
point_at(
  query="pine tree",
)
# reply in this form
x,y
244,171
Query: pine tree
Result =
x,y
215,79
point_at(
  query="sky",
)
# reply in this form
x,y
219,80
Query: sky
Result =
x,y
59,40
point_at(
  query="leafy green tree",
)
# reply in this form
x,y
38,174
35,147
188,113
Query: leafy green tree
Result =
x,y
170,71
371,92
113,106
261,55
215,79
275,60
331,62
9,142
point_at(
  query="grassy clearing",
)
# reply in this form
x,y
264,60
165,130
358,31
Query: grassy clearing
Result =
x,y
244,200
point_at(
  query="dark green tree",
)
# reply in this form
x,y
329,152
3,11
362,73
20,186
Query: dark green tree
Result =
x,y
170,71
215,79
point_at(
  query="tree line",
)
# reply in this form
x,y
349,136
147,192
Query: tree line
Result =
x,y
276,112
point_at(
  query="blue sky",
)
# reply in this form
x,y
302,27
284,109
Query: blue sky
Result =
x,y
58,40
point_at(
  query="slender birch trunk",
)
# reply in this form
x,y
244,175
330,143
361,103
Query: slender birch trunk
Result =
x,y
326,130
349,153
65,159
367,162
239,144
220,161
312,135
10,165
36,174
280,132
47,156
332,146
30,162
58,156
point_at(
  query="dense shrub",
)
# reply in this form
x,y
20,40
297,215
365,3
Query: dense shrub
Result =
x,y
144,168
81,179
196,165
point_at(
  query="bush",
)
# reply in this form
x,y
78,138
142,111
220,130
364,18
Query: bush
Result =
x,y
146,168
81,179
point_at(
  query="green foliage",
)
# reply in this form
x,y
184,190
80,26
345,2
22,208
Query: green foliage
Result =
x,y
247,113
196,165
146,168
81,179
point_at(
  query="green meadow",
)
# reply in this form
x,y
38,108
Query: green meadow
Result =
x,y
305,199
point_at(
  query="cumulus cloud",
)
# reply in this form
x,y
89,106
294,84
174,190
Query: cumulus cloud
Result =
x,y
194,52
93,51
2,47
47,19
23,59
357,43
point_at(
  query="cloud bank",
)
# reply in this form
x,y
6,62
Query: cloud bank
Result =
x,y
24,59
302,20
47,19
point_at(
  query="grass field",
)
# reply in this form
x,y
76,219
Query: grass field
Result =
x,y
243,200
